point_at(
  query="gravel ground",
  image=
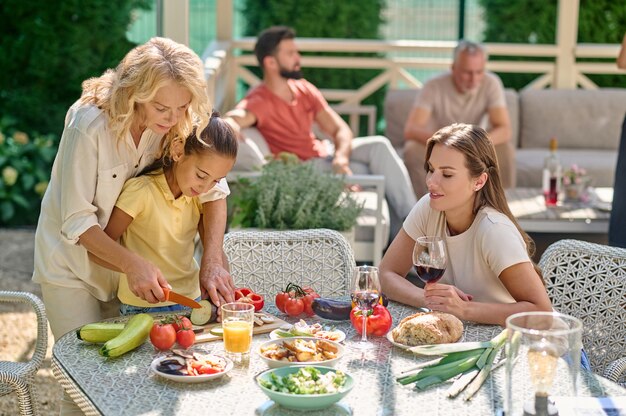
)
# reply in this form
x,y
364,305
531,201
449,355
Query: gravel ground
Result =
x,y
18,323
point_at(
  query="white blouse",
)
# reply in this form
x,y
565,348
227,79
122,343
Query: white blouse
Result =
x,y
88,173
476,257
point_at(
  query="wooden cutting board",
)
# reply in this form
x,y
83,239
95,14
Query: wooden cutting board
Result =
x,y
207,336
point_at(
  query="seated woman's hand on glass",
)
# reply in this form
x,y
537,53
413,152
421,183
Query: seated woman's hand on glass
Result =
x,y
446,298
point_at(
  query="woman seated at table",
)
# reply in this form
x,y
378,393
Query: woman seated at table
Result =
x,y
489,273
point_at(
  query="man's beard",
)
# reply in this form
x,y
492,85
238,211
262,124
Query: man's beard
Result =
x,y
296,74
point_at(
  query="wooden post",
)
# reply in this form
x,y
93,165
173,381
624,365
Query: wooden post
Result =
x,y
174,20
566,39
224,30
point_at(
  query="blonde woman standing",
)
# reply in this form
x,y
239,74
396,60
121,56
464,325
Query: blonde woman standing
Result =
x,y
120,125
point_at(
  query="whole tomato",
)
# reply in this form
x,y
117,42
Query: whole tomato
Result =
x,y
280,300
308,301
185,338
181,322
162,336
378,320
294,306
295,300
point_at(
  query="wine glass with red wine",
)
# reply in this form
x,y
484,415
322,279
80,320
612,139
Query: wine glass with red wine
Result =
x,y
365,292
430,258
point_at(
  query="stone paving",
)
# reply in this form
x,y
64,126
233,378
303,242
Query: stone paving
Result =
x,y
18,327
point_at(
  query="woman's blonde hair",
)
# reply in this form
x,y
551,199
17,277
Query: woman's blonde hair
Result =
x,y
138,77
480,157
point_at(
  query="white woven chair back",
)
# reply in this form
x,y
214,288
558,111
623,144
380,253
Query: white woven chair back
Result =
x,y
266,261
18,377
588,281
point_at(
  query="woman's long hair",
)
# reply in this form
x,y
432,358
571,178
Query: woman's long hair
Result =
x,y
480,157
138,77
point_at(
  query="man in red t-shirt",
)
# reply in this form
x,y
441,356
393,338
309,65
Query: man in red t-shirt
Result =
x,y
284,107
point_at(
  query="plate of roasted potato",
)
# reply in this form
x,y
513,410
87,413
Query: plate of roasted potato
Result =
x,y
300,350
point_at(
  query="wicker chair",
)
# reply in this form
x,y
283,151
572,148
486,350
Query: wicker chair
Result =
x,y
18,377
267,260
588,281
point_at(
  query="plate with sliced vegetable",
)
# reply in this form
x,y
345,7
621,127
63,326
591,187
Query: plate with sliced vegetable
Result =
x,y
191,367
302,329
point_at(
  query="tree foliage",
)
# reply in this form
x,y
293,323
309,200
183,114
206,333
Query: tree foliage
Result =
x,y
531,21
50,47
324,19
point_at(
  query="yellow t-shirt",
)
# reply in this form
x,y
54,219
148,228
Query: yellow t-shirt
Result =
x,y
162,232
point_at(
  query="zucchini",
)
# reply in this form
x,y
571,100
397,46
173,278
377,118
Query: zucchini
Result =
x,y
204,315
337,310
133,335
99,332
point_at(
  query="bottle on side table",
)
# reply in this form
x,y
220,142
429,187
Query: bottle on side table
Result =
x,y
552,175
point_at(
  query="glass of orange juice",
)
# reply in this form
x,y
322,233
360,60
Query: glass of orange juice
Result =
x,y
237,323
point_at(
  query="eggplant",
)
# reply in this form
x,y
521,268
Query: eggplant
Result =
x,y
204,315
172,365
336,310
385,300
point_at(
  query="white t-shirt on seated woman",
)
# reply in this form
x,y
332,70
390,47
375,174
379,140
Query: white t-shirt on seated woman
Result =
x,y
477,256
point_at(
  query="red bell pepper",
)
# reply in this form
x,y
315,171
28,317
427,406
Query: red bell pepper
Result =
x,y
246,295
378,320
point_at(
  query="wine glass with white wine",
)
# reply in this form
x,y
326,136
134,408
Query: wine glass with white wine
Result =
x,y
365,292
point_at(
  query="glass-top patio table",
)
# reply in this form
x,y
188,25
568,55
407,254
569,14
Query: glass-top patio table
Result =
x,y
125,386
592,216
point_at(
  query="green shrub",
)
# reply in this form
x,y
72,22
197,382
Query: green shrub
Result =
x,y
293,195
25,164
324,19
50,47
532,21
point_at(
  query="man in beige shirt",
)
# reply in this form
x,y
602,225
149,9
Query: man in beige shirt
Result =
x,y
465,94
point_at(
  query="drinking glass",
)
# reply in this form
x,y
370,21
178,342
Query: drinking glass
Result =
x,y
542,359
237,322
430,258
365,292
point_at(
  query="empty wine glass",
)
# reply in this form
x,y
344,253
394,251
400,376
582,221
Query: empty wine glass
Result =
x,y
365,292
430,258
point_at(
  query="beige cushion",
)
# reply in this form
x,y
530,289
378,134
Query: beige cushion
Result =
x,y
579,119
398,105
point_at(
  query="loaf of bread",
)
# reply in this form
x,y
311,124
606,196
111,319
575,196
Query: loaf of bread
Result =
x,y
428,328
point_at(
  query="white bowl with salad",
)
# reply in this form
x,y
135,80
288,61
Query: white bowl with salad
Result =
x,y
309,387
302,329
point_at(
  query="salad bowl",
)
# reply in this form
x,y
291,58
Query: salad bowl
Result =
x,y
298,401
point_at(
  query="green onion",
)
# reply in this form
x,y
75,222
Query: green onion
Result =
x,y
442,349
443,371
474,360
473,387
461,382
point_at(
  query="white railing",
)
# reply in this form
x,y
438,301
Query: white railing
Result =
x,y
226,62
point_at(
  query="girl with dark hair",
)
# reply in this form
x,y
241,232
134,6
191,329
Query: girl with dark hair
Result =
x,y
490,274
158,213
